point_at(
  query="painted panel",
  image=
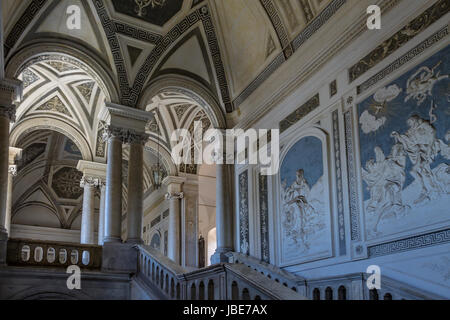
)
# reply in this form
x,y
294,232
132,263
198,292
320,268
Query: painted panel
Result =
x,y
404,134
305,212
264,218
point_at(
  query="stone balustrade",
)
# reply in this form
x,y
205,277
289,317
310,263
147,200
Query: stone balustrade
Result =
x,y
222,281
53,254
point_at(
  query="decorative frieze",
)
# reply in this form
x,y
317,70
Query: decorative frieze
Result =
x,y
244,236
411,30
174,195
300,113
410,55
339,185
12,170
416,242
264,218
352,181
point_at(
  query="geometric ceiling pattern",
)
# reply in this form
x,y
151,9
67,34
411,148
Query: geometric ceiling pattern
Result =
x,y
239,43
47,190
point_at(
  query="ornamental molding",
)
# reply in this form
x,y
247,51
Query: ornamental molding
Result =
x,y
174,196
12,170
125,117
90,182
8,112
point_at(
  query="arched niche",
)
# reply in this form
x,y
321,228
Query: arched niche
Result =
x,y
304,222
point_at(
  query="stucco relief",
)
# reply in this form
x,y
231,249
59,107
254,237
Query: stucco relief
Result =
x,y
405,154
305,219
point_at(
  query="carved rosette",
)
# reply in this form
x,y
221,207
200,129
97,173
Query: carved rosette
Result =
x,y
8,112
90,182
174,196
12,170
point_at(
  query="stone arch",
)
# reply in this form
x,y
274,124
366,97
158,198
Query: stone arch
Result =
x,y
94,65
29,125
191,88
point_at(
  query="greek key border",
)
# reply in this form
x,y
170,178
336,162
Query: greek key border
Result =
x,y
411,243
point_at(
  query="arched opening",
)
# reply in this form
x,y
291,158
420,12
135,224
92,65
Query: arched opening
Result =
x,y
211,290
245,294
180,103
172,288
316,294
373,294
234,291
201,291
342,293
328,293
193,292
388,296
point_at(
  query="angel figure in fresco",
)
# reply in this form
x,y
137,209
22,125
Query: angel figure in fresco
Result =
x,y
297,195
422,147
421,83
385,178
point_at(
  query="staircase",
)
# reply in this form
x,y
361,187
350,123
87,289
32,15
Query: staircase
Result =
x,y
37,270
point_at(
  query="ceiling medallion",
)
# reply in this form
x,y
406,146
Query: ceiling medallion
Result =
x,y
143,4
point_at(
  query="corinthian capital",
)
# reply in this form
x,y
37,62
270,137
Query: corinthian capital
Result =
x,y
174,195
112,132
92,182
8,112
134,137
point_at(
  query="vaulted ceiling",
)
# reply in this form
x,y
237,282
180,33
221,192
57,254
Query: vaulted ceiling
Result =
x,y
229,46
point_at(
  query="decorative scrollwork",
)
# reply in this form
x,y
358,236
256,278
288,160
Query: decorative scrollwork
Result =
x,y
174,196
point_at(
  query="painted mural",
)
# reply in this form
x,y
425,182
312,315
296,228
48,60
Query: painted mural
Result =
x,y
405,152
305,220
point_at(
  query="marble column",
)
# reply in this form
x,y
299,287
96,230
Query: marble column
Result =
x,y
121,123
113,199
224,213
101,216
174,196
12,170
9,92
94,175
89,185
135,187
14,154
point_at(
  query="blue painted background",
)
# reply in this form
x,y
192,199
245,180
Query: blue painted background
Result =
x,y
398,112
306,154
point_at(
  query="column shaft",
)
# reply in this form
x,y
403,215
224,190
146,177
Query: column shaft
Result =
x,y
135,192
173,248
4,163
88,215
9,201
224,217
101,217
113,205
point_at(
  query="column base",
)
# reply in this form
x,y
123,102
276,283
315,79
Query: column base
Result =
x,y
3,247
119,258
112,240
135,241
221,256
